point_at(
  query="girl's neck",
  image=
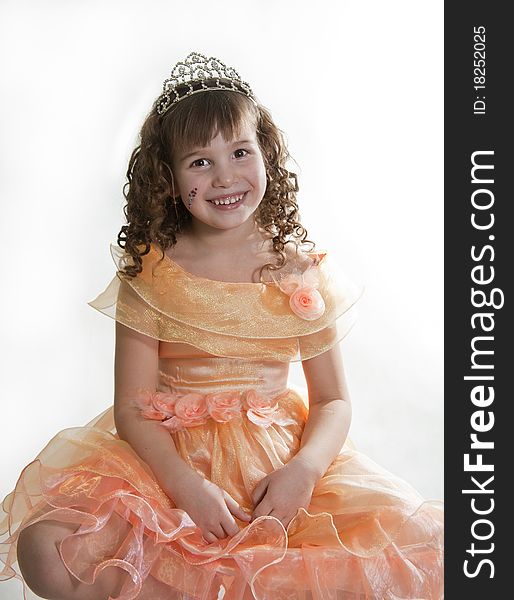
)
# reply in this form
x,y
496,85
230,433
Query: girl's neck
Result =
x,y
244,239
235,255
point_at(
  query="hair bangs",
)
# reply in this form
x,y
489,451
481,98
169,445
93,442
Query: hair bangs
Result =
x,y
196,120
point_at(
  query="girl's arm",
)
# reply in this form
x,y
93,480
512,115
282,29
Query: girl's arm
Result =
x,y
330,411
136,366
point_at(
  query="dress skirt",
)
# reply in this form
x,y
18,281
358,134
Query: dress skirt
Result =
x,y
367,534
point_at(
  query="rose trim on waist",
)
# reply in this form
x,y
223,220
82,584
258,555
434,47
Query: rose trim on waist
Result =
x,y
177,411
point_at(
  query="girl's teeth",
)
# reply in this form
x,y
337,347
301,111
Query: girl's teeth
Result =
x,y
232,200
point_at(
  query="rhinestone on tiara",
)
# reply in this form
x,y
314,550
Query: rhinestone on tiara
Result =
x,y
199,73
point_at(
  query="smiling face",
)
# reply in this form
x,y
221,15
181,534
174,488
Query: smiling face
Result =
x,y
225,181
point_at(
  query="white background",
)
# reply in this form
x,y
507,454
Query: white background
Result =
x,y
358,89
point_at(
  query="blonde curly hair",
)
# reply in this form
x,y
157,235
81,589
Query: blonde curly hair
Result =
x,y
151,213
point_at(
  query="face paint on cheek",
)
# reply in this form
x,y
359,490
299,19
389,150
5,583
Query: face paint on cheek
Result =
x,y
191,196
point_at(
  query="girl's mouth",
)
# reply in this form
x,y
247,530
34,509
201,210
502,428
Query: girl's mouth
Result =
x,y
230,202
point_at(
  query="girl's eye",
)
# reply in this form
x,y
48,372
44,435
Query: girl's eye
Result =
x,y
199,160
241,150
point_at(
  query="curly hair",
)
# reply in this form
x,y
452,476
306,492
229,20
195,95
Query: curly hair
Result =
x,y
152,214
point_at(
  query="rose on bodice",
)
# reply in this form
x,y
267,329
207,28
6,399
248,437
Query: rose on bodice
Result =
x,y
224,406
304,298
260,408
156,405
264,411
307,303
189,410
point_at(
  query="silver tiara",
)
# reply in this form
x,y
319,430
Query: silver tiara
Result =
x,y
199,73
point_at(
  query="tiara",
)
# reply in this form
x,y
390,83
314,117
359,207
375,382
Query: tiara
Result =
x,y
199,73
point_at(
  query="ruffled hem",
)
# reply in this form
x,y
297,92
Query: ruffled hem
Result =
x,y
88,476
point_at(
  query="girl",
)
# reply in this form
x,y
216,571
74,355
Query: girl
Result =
x,y
211,477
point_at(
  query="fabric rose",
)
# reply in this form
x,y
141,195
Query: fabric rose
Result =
x,y
307,303
190,410
264,411
304,299
156,405
165,402
224,406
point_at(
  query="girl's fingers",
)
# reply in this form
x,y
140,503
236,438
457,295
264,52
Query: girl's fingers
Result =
x,y
209,537
263,510
219,532
230,527
285,520
259,491
234,508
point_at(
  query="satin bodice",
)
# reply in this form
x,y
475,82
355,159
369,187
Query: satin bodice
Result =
x,y
184,368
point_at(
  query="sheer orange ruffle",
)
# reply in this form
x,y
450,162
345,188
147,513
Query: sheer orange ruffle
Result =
x,y
167,303
366,534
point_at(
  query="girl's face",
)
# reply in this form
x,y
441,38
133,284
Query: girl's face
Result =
x,y
226,180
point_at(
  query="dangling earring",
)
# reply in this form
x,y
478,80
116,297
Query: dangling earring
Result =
x,y
175,199
175,202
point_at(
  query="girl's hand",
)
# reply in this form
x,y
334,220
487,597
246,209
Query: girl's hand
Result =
x,y
281,493
210,507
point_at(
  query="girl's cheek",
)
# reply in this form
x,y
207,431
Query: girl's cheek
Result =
x,y
187,182
254,170
191,177
261,175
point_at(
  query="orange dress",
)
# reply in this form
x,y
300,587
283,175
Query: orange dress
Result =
x,y
224,396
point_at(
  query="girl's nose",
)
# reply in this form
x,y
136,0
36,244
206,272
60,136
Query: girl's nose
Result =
x,y
224,176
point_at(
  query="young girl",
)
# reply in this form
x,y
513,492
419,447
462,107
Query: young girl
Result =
x,y
210,476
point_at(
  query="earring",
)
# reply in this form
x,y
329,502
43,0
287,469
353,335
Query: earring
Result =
x,y
175,202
